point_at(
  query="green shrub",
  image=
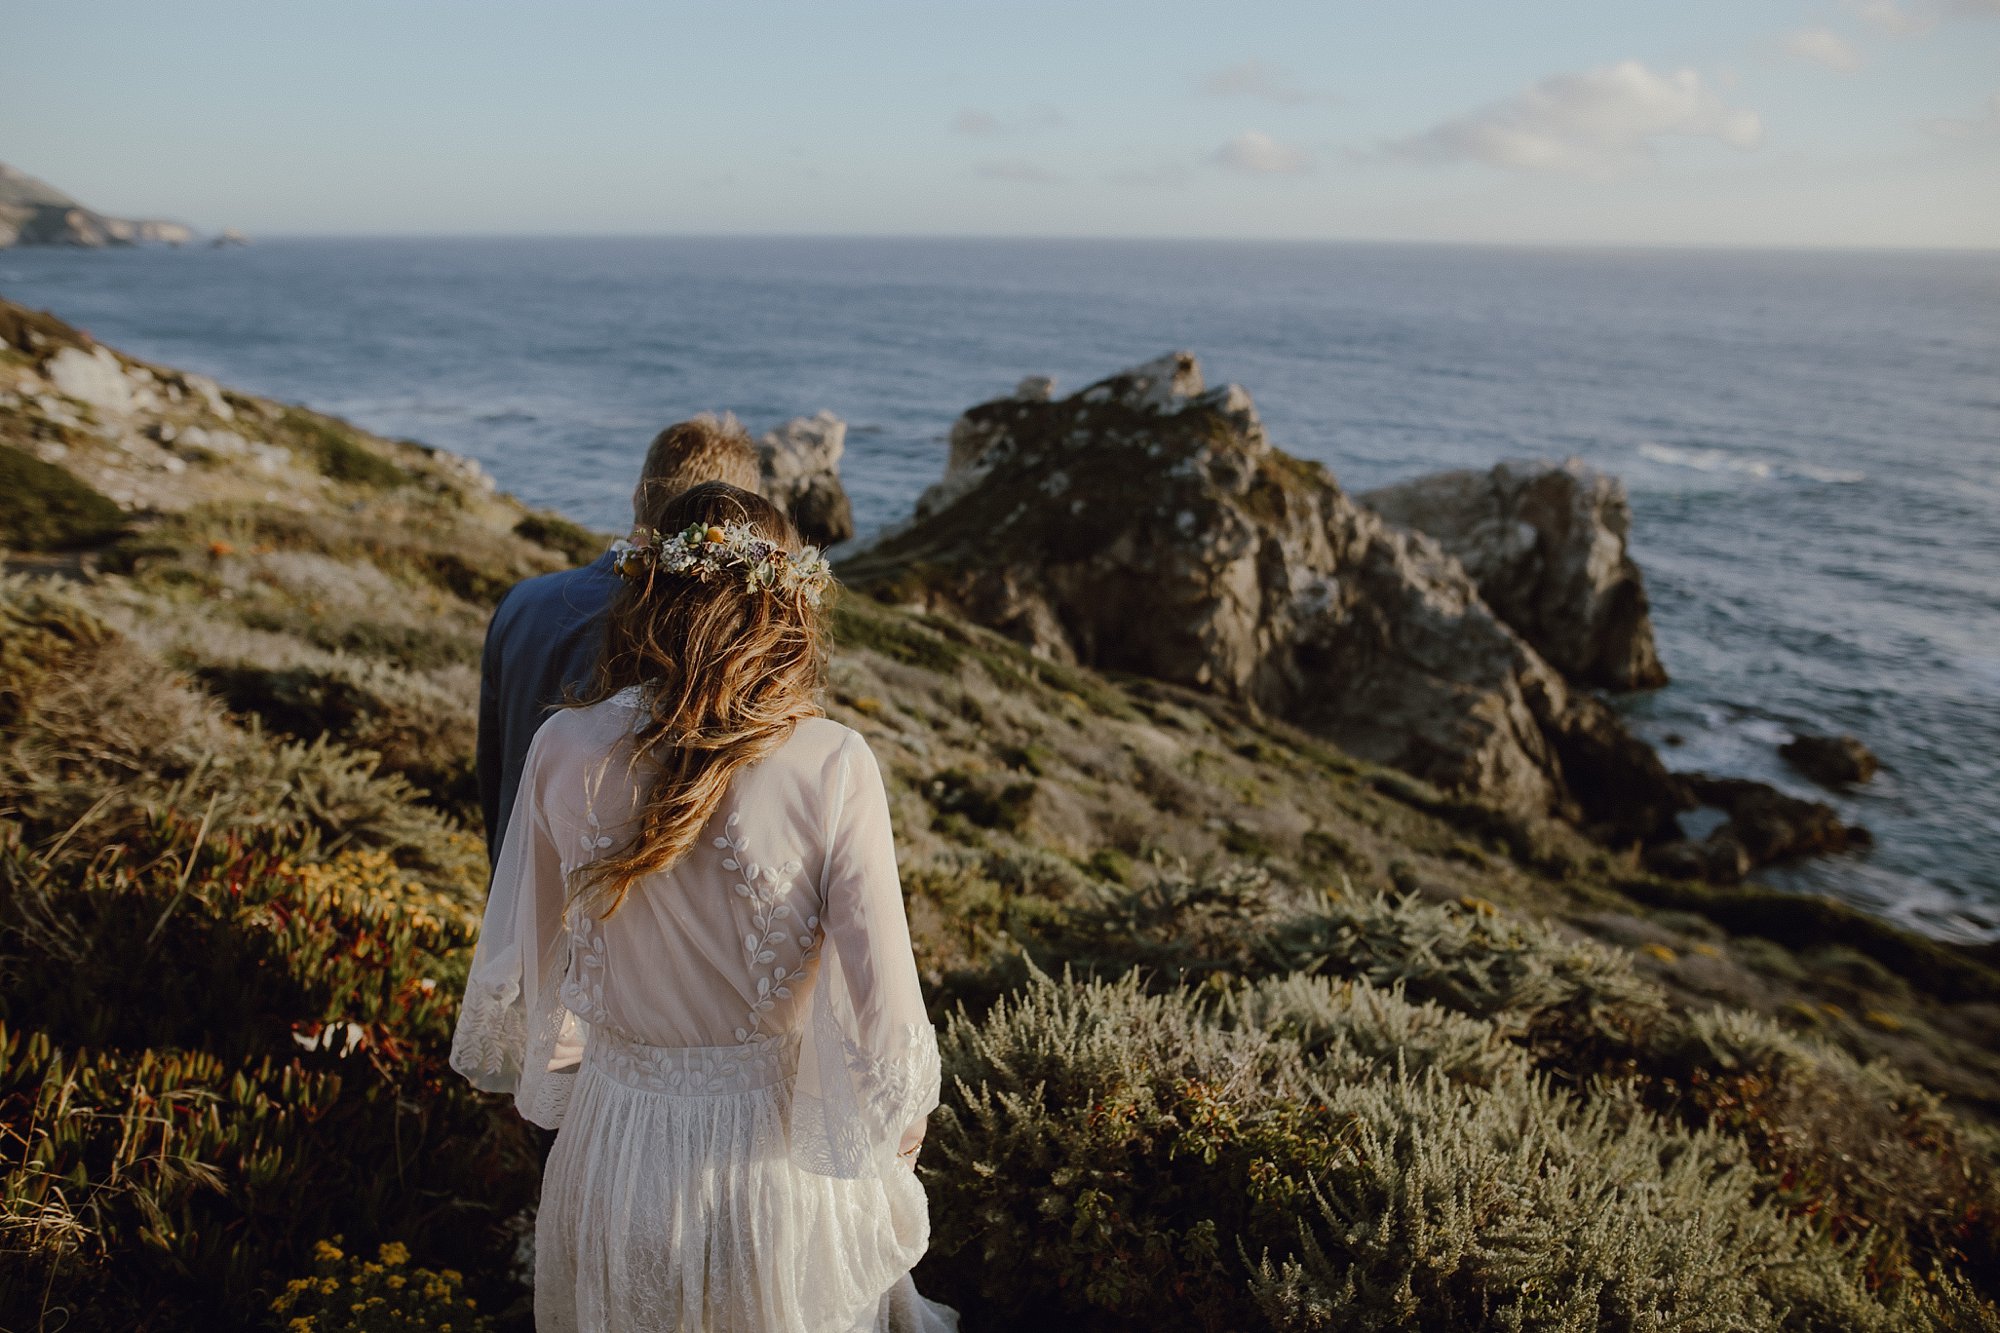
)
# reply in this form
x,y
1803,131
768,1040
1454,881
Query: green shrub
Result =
x,y
980,800
577,544
1092,1161
46,508
1351,1031
1448,1208
1174,925
419,733
336,451
1864,1153
858,625
1571,999
1307,1155
235,1052
42,629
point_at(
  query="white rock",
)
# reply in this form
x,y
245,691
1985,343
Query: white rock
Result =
x,y
211,394
799,471
466,470
1036,389
803,447
94,378
1163,384
270,458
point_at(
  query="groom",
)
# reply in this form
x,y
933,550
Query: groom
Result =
x,y
546,632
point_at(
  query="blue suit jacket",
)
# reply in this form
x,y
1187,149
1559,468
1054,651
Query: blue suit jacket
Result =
x,y
544,639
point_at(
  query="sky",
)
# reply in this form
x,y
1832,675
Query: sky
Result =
x,y
1675,122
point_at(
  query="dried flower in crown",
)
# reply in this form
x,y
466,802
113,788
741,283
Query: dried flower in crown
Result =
x,y
731,549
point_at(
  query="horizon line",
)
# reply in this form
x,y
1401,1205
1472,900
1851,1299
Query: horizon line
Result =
x,y
1616,246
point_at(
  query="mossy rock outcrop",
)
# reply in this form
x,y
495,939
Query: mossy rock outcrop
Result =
x,y
1149,526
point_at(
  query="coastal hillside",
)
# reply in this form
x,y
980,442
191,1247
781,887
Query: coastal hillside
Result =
x,y
35,213
1244,1028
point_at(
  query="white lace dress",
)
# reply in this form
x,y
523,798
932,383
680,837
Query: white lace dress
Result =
x,y
733,1059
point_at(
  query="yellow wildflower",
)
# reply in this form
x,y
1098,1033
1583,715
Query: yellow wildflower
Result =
x,y
396,1281
394,1253
327,1252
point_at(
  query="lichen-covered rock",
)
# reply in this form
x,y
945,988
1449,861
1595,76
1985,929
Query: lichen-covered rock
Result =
x,y
1831,761
800,463
1546,543
1147,525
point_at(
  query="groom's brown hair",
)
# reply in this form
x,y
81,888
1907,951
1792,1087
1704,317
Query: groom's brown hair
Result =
x,y
688,453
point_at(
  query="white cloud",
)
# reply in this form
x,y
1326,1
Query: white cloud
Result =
x,y
1600,122
1265,81
1822,46
1255,153
1889,16
1017,169
1909,18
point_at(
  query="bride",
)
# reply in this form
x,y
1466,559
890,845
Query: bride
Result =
x,y
696,966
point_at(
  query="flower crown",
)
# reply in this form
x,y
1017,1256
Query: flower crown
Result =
x,y
709,552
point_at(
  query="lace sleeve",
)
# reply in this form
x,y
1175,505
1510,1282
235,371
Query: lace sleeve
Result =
x,y
514,1035
868,1064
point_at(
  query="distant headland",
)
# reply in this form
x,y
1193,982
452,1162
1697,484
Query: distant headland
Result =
x,y
33,212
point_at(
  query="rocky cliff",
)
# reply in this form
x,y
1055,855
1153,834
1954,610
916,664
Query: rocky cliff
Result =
x,y
33,212
1546,543
1148,525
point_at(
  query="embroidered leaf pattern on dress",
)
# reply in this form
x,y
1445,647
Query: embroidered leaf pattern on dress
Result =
x,y
767,890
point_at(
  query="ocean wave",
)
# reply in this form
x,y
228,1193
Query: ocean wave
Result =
x,y
1722,461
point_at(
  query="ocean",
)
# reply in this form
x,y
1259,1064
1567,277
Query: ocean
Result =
x,y
1811,439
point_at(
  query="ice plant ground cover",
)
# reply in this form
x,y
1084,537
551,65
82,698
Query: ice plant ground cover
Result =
x,y
1240,1033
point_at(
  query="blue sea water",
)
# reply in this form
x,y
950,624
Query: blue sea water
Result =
x,y
1811,440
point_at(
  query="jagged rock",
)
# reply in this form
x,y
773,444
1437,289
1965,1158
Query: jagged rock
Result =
x,y
1831,761
1145,525
800,463
1764,825
1773,826
1719,859
1036,389
1546,543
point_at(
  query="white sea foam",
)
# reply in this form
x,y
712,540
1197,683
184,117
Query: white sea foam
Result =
x,y
1705,460
1721,460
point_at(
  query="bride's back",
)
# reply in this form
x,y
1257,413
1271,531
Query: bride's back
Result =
x,y
720,948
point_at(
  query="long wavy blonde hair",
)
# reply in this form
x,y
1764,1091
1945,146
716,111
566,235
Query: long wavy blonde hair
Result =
x,y
725,672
